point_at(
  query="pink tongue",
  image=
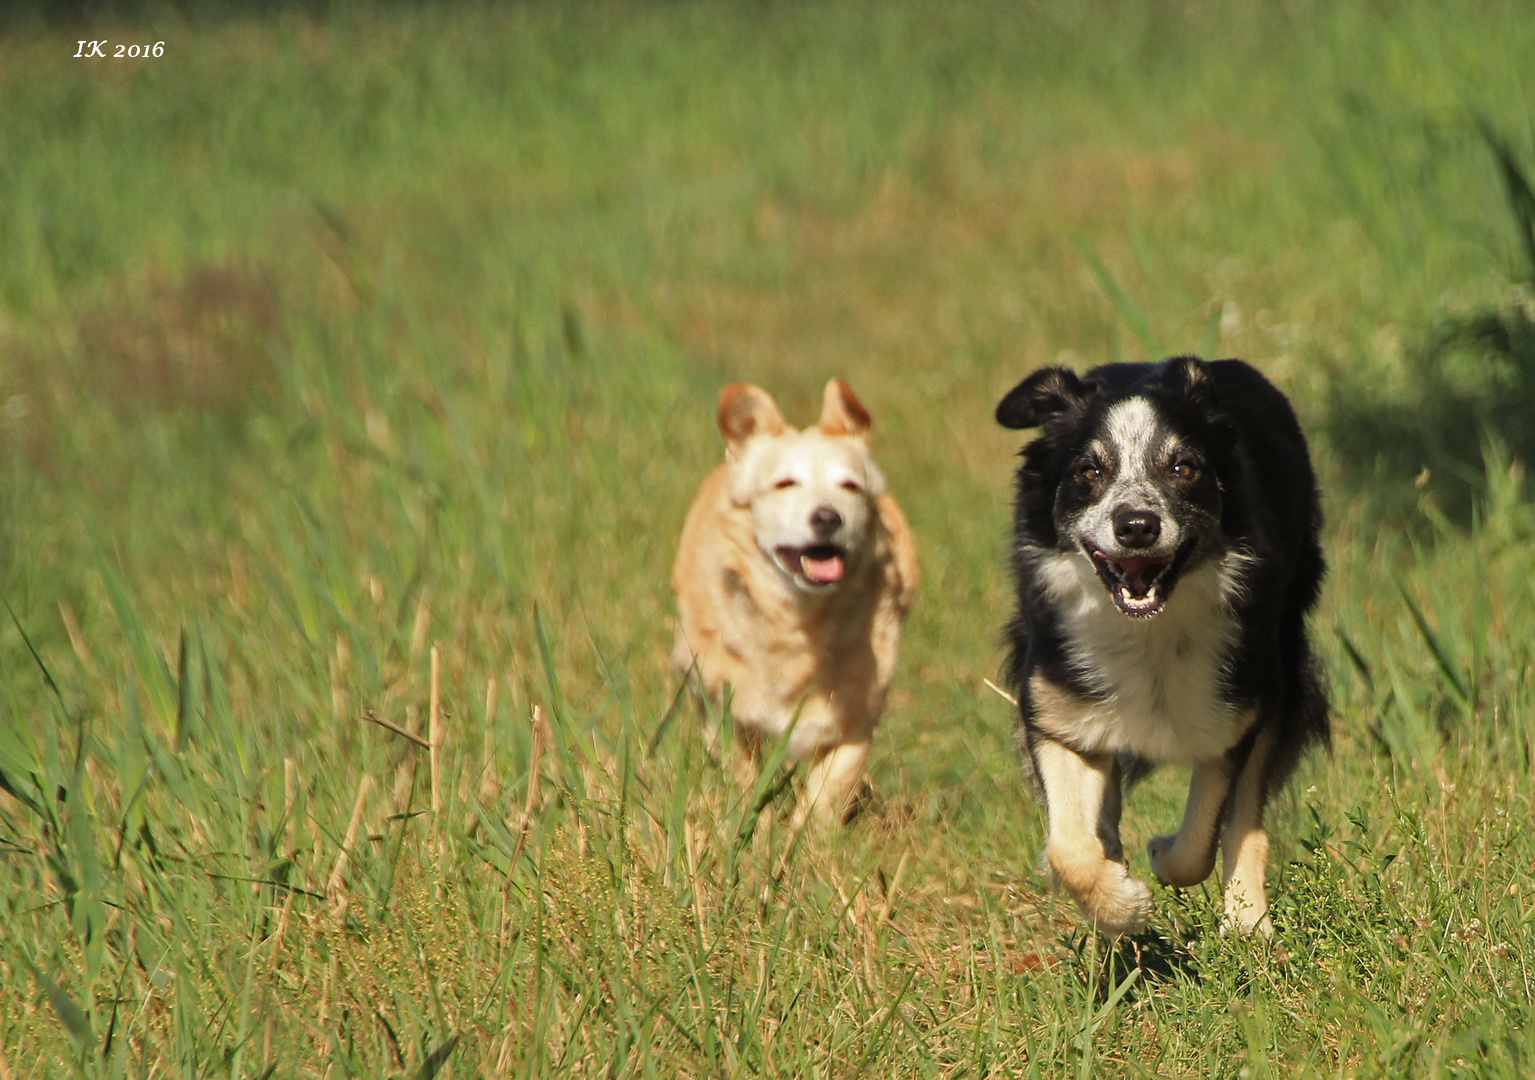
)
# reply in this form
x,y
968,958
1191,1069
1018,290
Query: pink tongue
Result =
x,y
1134,567
824,571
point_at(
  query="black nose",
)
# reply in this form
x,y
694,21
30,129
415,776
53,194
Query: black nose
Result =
x,y
825,521
1137,528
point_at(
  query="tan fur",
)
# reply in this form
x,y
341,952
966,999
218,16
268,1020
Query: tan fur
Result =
x,y
1082,804
1083,845
826,655
1186,858
1245,848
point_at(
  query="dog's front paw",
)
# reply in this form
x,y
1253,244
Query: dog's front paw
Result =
x,y
1243,917
1118,902
1179,865
1245,903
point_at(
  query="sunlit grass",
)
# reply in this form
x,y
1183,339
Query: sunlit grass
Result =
x,y
325,342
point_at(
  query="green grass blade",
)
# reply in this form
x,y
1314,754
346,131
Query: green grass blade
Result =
x,y
1128,309
64,1007
1447,665
164,695
437,1059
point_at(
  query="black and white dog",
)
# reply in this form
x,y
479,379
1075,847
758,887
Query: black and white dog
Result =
x,y
1166,555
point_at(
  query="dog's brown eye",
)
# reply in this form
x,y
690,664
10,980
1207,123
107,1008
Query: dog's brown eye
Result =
x,y
786,482
1089,474
852,485
1184,469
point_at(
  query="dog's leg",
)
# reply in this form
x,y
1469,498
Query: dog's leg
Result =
x,y
831,784
1082,806
1187,857
1245,846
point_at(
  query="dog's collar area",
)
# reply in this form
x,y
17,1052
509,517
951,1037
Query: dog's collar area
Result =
x,y
815,566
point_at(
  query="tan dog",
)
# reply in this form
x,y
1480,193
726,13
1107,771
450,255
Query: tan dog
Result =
x,y
793,577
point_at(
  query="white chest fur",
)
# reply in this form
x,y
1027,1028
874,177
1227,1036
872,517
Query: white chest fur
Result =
x,y
1159,679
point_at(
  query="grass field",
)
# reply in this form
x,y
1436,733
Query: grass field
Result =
x,y
331,343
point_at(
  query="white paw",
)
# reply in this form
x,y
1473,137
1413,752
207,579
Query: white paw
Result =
x,y
1243,917
1119,903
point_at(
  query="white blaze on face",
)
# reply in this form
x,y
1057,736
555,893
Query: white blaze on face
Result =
x,y
1135,440
786,478
1133,429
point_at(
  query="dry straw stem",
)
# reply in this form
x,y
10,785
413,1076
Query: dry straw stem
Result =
x,y
289,799
688,840
404,733
333,887
338,669
434,734
535,768
77,640
797,826
487,748
895,883
1009,698
279,933
422,624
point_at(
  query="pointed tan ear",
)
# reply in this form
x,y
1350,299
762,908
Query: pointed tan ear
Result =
x,y
747,410
843,413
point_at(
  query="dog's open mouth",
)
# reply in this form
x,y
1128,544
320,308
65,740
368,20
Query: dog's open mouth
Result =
x,y
818,565
1138,583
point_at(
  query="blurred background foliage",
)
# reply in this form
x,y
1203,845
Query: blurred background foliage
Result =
x,y
343,330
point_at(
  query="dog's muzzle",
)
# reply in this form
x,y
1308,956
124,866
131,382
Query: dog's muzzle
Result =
x,y
1138,584
817,566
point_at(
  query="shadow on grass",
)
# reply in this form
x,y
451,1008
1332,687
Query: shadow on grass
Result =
x,y
1159,958
1468,382
1472,381
1154,956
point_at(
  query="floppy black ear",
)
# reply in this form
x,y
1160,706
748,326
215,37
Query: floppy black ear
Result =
x,y
1046,393
1189,376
